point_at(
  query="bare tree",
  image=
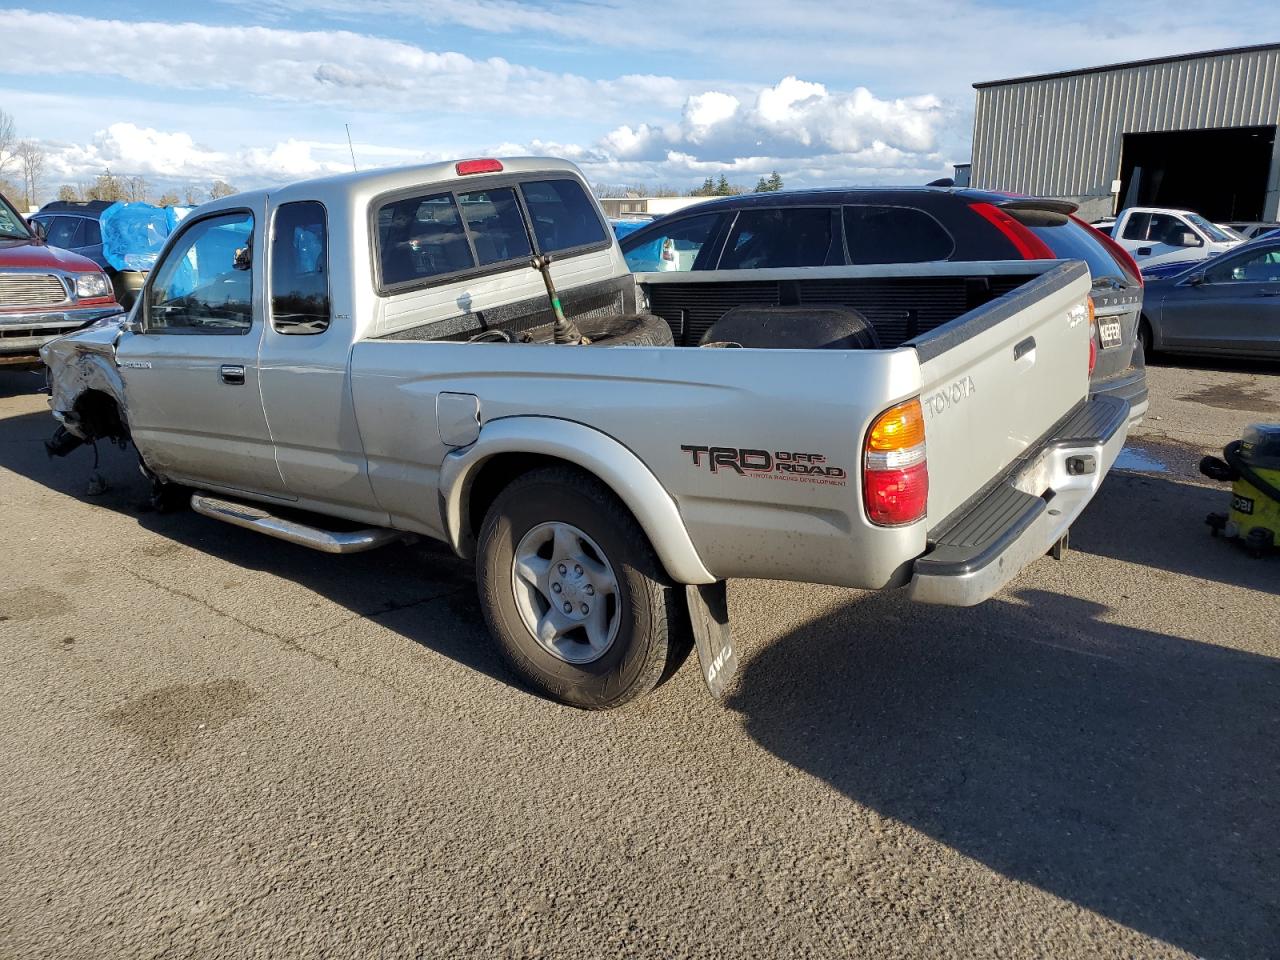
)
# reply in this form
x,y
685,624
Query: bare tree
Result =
x,y
68,192
31,156
137,188
167,199
221,188
107,187
194,196
8,142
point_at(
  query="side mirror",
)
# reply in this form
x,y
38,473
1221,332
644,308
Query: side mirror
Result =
x,y
1189,239
1195,280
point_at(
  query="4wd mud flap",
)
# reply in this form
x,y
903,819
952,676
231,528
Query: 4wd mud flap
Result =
x,y
709,616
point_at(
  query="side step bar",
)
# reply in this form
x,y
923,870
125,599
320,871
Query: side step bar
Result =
x,y
326,541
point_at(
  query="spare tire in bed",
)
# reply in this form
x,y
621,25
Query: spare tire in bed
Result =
x,y
626,330
794,328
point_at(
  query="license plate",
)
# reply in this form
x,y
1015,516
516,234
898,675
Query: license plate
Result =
x,y
1110,334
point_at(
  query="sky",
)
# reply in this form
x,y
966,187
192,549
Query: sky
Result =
x,y
654,93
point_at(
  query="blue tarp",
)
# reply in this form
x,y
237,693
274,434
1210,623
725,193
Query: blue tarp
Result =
x,y
133,233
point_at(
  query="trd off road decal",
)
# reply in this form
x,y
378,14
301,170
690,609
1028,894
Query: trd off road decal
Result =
x,y
778,465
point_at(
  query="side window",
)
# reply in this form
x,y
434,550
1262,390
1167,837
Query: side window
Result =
x,y
495,224
1135,228
675,248
1167,229
563,215
783,237
92,234
300,269
421,237
205,282
874,234
61,232
1260,266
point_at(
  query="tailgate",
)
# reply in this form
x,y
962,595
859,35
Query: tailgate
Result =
x,y
996,380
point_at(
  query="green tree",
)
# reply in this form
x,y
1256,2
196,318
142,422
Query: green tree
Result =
x,y
770,184
722,187
708,189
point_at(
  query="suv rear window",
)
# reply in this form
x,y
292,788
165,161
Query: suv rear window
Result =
x,y
878,234
1070,240
562,214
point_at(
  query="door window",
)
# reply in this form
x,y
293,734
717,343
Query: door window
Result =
x,y
205,282
92,233
1135,228
678,246
300,269
780,237
563,215
878,234
495,224
1258,266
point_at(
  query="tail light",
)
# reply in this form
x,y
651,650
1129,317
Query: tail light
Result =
x,y
1093,336
1028,245
895,473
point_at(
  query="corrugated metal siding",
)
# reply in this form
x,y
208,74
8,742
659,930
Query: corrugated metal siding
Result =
x,y
1061,136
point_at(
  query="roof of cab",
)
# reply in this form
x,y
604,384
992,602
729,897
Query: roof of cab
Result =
x,y
364,185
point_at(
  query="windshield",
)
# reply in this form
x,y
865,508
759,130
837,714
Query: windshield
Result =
x,y
12,225
1212,230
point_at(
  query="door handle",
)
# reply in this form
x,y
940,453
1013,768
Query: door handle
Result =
x,y
1269,293
232,373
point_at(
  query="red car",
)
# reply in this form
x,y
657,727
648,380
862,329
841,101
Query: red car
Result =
x,y
44,291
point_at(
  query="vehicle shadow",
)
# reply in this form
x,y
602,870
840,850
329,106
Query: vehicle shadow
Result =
x,y
1132,773
376,585
1157,521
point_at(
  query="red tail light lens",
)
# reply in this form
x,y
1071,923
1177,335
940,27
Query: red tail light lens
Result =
x,y
485,165
895,475
1028,245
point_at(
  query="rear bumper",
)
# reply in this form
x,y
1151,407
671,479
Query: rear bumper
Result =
x,y
1130,386
987,544
25,333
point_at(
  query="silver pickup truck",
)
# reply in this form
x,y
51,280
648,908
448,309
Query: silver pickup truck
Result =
x,y
458,351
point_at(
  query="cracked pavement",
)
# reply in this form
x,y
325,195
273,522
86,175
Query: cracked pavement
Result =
x,y
220,745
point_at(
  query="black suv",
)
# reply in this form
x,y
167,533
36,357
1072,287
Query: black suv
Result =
x,y
75,225
839,227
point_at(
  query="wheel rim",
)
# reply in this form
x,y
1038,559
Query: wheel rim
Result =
x,y
566,592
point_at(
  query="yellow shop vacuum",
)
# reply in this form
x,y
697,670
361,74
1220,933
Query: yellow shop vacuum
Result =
x,y
1252,466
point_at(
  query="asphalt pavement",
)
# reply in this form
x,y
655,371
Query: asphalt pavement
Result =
x,y
213,744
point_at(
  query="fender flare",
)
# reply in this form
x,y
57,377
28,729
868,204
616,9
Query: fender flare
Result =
x,y
598,453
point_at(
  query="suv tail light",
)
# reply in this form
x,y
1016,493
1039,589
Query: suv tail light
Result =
x,y
1093,336
895,473
1028,245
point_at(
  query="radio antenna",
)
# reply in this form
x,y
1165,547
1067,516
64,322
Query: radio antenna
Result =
x,y
351,148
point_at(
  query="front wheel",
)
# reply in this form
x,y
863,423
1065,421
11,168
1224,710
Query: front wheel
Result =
x,y
573,593
1144,337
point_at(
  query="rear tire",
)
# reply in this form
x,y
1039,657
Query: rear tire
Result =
x,y
627,330
556,540
1144,338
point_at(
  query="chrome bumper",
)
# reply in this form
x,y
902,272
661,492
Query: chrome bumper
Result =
x,y
987,544
27,332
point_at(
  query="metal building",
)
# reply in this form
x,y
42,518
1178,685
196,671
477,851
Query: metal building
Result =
x,y
1195,131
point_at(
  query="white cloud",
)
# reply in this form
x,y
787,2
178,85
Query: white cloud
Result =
x,y
330,67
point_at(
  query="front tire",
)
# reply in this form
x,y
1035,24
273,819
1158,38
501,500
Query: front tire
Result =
x,y
1144,337
573,593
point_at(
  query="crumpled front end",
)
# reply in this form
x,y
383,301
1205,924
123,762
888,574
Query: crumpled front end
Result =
x,y
86,393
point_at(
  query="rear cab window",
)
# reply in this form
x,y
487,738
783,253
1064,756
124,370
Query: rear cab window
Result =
x,y
448,234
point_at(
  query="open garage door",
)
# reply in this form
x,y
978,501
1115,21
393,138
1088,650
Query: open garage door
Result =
x,y
1219,173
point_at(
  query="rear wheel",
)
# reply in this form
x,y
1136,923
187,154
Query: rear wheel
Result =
x,y
573,592
1144,337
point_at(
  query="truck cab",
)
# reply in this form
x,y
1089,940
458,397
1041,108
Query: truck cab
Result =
x,y
1157,235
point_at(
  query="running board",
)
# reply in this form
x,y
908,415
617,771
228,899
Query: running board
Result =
x,y
326,541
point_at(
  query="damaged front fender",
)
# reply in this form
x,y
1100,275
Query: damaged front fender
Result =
x,y
81,365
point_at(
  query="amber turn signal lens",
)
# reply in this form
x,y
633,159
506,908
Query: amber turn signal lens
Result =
x,y
898,427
